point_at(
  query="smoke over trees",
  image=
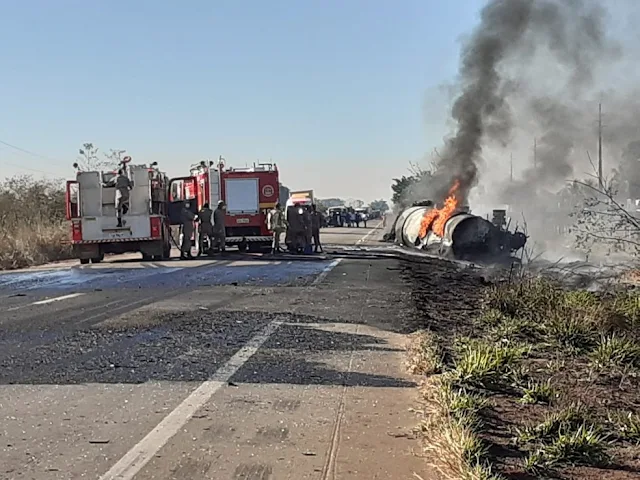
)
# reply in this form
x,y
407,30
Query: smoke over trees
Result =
x,y
527,70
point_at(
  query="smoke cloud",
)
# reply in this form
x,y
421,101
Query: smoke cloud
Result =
x,y
525,71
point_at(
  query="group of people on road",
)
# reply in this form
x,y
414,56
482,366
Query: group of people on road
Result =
x,y
210,227
303,231
211,230
348,217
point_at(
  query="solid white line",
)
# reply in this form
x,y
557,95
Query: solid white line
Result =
x,y
57,299
325,272
136,458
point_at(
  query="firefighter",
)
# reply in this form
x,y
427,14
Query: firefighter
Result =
x,y
316,223
206,227
277,224
123,186
187,217
218,225
306,221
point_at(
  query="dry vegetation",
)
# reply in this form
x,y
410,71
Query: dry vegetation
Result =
x,y
32,222
539,382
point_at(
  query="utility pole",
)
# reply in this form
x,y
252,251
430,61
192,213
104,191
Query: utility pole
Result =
x,y
511,167
600,178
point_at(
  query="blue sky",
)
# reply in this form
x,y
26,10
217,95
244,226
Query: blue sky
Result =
x,y
341,94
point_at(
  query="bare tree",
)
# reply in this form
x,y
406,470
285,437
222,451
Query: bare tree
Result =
x,y
114,157
602,221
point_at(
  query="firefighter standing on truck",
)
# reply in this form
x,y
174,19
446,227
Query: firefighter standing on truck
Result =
x,y
123,185
187,217
206,227
277,224
218,225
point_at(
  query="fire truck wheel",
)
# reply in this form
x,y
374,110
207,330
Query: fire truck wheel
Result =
x,y
84,261
242,247
146,258
166,252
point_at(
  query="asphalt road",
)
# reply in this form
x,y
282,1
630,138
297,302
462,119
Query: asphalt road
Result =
x,y
242,367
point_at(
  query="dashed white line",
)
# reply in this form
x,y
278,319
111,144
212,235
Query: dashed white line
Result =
x,y
325,272
136,458
57,299
366,237
335,263
46,301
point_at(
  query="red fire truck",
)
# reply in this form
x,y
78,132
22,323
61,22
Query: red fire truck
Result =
x,y
249,194
90,202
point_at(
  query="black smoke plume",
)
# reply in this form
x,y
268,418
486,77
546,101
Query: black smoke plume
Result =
x,y
512,32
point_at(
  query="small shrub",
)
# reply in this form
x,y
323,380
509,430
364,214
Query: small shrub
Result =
x,y
481,362
570,330
567,419
584,445
536,392
616,351
627,305
626,426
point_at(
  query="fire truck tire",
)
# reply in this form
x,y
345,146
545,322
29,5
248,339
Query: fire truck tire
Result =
x,y
97,259
84,261
146,257
166,251
242,247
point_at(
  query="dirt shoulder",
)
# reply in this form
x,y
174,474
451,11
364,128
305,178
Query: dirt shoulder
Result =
x,y
526,379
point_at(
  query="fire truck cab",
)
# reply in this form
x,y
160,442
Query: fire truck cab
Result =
x,y
90,203
249,194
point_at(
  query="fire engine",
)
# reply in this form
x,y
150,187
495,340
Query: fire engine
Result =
x,y
249,194
90,205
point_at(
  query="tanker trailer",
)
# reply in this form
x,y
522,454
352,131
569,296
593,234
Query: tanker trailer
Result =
x,y
465,236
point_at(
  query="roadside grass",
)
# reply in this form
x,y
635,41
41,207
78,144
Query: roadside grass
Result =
x,y
425,356
544,363
32,222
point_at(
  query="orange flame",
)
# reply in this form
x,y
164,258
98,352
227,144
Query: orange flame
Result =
x,y
436,218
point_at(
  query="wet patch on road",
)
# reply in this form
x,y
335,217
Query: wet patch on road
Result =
x,y
215,273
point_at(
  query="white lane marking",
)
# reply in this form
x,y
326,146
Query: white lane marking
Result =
x,y
136,458
57,299
373,230
44,302
325,272
335,263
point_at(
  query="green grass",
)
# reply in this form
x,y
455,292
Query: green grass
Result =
x,y
616,351
426,356
482,363
568,418
625,426
584,445
464,407
537,392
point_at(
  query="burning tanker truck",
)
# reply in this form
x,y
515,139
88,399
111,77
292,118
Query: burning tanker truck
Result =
x,y
452,231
